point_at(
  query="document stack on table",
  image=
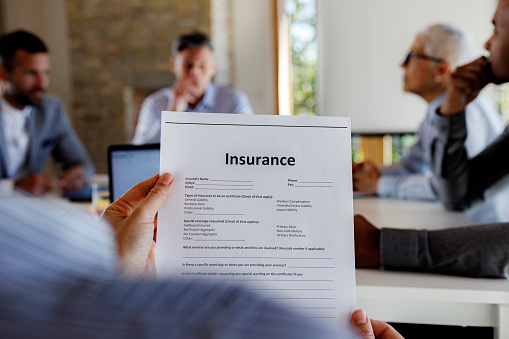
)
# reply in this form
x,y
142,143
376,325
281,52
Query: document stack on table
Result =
x,y
264,201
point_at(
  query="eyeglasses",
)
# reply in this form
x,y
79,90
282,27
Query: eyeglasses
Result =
x,y
413,55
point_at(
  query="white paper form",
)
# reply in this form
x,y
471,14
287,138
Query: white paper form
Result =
x,y
265,201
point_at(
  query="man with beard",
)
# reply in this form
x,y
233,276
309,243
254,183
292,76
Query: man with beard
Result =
x,y
34,124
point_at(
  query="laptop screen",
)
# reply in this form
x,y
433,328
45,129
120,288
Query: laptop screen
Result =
x,y
129,165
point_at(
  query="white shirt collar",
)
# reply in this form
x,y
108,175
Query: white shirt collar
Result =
x,y
16,135
12,113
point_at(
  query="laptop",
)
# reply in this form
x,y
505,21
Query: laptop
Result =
x,y
129,165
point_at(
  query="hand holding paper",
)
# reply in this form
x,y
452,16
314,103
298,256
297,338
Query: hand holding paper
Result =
x,y
265,201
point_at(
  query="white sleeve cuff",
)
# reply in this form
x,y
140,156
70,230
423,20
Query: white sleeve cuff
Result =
x,y
6,187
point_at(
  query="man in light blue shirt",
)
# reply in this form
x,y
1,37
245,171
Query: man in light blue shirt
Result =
x,y
194,67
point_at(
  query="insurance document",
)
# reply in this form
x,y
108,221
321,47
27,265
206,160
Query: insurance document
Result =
x,y
264,201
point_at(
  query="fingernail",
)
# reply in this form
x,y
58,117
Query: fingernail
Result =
x,y
166,178
360,317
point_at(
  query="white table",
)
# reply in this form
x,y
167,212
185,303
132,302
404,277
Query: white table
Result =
x,y
428,298
408,214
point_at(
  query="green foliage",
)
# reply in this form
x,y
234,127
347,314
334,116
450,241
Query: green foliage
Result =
x,y
357,151
304,54
400,145
502,100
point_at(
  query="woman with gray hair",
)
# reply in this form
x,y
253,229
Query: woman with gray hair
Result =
x,y
435,53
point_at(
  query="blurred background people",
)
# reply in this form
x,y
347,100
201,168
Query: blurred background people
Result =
x,y
435,53
476,251
34,124
194,67
464,181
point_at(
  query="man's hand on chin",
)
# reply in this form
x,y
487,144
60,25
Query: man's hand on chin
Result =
x,y
464,86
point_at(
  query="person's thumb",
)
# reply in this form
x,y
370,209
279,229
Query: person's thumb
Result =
x,y
157,196
361,325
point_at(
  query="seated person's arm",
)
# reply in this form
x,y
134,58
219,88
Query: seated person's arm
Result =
x,y
459,181
39,183
405,180
365,177
449,161
36,184
475,251
72,158
72,180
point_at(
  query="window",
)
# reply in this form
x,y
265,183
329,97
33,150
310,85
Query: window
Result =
x,y
502,100
303,49
297,57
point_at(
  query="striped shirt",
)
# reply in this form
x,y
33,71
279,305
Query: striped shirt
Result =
x,y
58,279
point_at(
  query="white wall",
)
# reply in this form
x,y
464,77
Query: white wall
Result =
x,y
48,20
253,52
361,45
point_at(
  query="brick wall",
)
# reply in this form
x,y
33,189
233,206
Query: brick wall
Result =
x,y
2,19
119,47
